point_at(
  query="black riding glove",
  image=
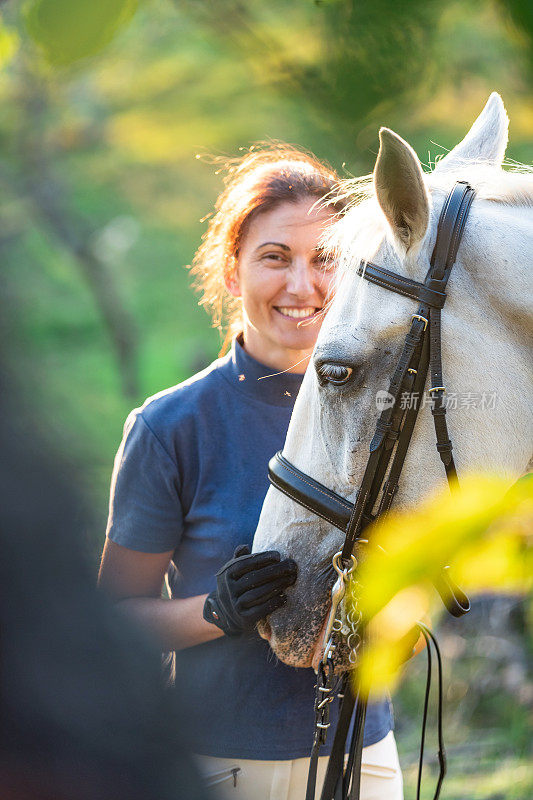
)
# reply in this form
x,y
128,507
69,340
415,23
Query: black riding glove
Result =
x,y
249,587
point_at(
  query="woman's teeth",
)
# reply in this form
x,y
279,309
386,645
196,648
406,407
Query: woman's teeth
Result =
x,y
296,313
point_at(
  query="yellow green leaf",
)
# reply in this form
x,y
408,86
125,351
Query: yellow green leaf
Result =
x,y
68,31
481,529
9,43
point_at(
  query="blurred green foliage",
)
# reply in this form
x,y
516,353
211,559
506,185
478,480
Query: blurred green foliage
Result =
x,y
487,699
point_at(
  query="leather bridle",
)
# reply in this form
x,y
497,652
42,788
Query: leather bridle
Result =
x,y
388,449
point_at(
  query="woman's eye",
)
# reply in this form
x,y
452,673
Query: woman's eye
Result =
x,y
277,257
337,374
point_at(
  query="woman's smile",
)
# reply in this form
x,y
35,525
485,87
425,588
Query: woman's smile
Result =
x,y
298,314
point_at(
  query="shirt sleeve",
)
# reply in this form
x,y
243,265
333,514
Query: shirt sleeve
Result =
x,y
145,511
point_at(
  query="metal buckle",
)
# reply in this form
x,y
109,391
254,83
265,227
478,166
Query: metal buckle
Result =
x,y
347,570
437,389
424,320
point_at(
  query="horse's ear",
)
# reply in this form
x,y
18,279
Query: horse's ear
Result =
x,y
486,141
400,189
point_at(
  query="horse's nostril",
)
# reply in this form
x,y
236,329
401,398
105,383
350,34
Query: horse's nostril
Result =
x,y
264,630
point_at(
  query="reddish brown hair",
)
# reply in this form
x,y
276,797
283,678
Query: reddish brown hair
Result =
x,y
265,177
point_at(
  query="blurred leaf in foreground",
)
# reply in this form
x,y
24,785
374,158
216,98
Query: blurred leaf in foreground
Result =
x,y
9,43
482,529
67,32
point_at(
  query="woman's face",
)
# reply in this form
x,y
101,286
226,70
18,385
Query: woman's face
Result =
x,y
283,279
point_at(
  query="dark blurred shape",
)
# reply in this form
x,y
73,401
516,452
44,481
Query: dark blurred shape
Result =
x,y
67,32
83,714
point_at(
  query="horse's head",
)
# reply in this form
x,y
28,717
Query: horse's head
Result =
x,y
487,370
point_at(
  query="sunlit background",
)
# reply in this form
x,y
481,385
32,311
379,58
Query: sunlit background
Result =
x,y
111,113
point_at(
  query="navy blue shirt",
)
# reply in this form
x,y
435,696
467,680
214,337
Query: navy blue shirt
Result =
x,y
190,477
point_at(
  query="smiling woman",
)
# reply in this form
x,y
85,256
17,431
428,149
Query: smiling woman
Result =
x,y
260,267
283,281
191,475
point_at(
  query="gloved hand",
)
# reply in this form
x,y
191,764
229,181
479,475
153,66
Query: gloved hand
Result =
x,y
249,587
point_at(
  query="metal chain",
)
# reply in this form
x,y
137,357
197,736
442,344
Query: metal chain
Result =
x,y
353,621
340,623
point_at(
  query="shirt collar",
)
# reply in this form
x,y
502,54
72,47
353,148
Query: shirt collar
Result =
x,y
259,381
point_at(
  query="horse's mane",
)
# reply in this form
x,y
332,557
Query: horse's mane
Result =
x,y
362,226
511,184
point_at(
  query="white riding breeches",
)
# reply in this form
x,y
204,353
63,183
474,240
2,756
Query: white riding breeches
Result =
x,y
244,779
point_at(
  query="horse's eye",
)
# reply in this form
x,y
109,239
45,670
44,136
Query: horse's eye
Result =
x,y
337,374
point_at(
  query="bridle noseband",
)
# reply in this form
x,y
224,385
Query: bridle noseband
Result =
x,y
422,352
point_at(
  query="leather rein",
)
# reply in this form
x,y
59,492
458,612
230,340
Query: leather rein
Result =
x,y
422,353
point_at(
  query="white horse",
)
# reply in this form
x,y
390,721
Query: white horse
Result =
x,y
486,332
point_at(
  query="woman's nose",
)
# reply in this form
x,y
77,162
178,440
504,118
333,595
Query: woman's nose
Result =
x,y
300,279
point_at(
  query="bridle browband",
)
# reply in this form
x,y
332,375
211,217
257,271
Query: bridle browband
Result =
x,y
422,352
